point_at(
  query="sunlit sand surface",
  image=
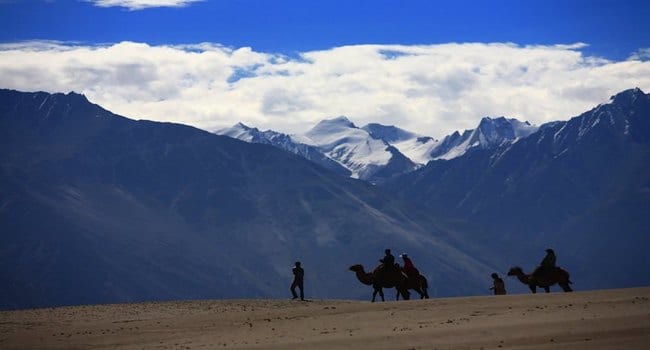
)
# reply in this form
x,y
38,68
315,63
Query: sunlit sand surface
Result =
x,y
608,319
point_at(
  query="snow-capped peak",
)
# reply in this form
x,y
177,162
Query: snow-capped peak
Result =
x,y
330,132
490,133
353,147
240,131
330,126
416,147
366,151
389,133
296,144
494,131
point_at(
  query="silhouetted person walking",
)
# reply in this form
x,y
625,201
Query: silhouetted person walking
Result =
x,y
298,281
498,286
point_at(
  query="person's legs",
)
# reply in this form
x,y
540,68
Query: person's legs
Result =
x,y
302,290
293,289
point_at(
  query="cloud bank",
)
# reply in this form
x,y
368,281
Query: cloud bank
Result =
x,y
142,4
430,89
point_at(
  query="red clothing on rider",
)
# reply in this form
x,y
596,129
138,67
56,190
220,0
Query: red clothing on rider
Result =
x,y
409,268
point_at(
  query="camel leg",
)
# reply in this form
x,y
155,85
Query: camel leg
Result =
x,y
374,294
405,294
423,290
533,288
566,287
424,285
547,289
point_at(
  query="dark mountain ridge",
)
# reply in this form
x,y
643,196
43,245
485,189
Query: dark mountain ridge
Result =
x,y
98,208
580,186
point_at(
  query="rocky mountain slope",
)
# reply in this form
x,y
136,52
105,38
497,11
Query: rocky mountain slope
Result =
x,y
98,208
581,186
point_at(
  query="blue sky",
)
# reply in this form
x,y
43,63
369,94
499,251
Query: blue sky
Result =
x,y
613,29
287,64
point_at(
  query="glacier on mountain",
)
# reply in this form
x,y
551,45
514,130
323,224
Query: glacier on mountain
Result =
x,y
375,152
349,145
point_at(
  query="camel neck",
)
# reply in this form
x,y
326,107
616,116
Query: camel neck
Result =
x,y
524,278
364,277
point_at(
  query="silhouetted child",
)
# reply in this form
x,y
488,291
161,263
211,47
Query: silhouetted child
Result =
x,y
498,286
298,281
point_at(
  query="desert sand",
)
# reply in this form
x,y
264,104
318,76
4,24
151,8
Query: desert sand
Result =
x,y
608,319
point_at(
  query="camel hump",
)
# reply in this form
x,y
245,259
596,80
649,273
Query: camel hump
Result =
x,y
547,271
543,270
566,274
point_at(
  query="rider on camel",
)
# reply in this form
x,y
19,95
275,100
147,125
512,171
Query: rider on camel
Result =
x,y
388,260
409,269
547,264
549,259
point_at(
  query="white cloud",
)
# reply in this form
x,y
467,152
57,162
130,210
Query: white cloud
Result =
x,y
141,4
430,89
642,54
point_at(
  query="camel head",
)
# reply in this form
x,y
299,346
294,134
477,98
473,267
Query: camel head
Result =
x,y
356,268
515,271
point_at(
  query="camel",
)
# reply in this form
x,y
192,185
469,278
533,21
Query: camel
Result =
x,y
388,279
543,279
418,283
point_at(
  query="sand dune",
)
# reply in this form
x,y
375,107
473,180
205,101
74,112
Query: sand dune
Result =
x,y
608,319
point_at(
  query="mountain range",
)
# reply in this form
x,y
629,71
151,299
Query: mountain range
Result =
x,y
98,208
376,152
580,186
